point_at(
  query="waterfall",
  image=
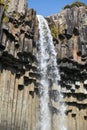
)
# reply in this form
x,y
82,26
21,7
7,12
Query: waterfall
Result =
x,y
49,79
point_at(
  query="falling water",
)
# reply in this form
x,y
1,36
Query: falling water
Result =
x,y
50,77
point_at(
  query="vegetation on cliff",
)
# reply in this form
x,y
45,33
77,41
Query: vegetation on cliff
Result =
x,y
54,31
1,2
5,18
77,3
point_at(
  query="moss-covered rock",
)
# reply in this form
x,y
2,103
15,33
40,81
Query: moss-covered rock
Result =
x,y
77,3
1,2
5,19
54,31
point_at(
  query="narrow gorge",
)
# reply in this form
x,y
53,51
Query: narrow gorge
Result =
x,y
43,68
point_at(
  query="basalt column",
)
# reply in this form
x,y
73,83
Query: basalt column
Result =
x,y
19,77
69,30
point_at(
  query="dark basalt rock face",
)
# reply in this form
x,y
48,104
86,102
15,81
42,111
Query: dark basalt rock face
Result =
x,y
71,48
19,77
18,37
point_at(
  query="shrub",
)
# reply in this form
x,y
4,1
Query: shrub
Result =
x,y
54,31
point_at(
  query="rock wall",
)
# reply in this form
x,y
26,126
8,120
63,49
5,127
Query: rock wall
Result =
x,y
12,6
19,80
18,100
71,46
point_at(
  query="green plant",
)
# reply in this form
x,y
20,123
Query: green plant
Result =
x,y
15,14
1,2
5,7
5,4
9,1
76,3
54,31
5,19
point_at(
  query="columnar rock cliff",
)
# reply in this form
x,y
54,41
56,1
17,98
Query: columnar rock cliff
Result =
x,y
19,80
18,102
69,28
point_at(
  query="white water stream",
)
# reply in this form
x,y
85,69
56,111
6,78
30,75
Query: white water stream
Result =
x,y
49,77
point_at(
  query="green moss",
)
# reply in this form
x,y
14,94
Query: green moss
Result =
x,y
5,4
15,14
9,1
1,2
54,31
5,8
5,19
77,3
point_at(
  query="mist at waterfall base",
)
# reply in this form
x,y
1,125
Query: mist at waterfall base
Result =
x,y
49,80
